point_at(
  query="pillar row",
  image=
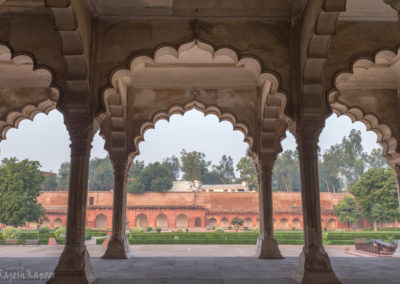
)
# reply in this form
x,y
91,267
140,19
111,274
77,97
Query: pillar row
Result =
x,y
314,264
74,263
267,246
118,247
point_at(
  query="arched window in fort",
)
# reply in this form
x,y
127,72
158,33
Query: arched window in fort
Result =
x,y
161,221
141,221
248,223
224,222
197,222
212,222
284,224
296,223
58,223
258,222
181,221
332,224
46,223
101,221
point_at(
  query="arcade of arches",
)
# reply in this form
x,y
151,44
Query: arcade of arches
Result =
x,y
267,67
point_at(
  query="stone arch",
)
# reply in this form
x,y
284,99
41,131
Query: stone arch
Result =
x,y
367,68
332,224
58,223
296,223
197,222
141,221
224,222
40,80
181,221
162,221
284,223
212,222
322,26
273,101
101,221
248,223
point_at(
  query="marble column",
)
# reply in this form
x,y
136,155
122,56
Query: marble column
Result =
x,y
397,171
74,263
314,264
118,247
267,246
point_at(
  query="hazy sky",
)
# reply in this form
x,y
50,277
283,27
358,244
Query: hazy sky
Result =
x,y
46,139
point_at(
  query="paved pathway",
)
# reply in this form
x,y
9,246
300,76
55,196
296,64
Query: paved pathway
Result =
x,y
206,264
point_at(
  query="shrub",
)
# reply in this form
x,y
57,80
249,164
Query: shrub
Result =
x,y
245,228
44,230
256,230
187,230
98,234
179,231
230,228
219,230
149,229
10,233
158,230
325,229
88,233
60,233
293,228
136,230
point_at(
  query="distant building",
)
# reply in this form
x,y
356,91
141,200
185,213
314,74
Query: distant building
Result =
x,y
188,186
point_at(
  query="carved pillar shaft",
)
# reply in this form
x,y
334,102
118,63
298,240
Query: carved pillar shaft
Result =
x,y
118,247
267,246
314,263
74,264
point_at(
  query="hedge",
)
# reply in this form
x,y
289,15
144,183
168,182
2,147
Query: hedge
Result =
x,y
366,235
100,241
98,234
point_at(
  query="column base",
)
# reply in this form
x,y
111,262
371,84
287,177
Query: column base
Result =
x,y
397,252
118,248
315,267
267,248
73,267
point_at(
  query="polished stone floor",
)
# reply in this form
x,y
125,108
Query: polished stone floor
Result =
x,y
206,264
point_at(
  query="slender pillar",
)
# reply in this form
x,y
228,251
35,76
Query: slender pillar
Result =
x,y
74,263
314,264
267,246
118,247
397,171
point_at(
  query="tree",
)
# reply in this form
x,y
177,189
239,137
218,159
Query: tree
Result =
x,y
194,166
136,168
224,172
237,223
154,177
348,211
286,173
329,169
19,188
50,183
376,192
101,174
63,175
375,159
247,172
173,165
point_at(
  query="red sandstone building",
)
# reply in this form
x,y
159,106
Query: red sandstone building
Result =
x,y
192,209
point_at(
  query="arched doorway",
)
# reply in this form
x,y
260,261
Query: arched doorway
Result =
x,y
224,222
161,221
197,222
332,224
296,223
59,223
181,221
248,223
141,221
212,222
101,221
284,224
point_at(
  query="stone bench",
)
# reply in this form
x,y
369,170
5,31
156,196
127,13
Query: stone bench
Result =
x,y
31,242
11,242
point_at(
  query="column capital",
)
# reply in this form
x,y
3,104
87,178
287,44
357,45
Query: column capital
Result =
x,y
121,162
307,138
80,129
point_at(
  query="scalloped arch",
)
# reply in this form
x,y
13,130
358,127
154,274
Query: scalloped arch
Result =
x,y
12,119
192,55
383,60
179,109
